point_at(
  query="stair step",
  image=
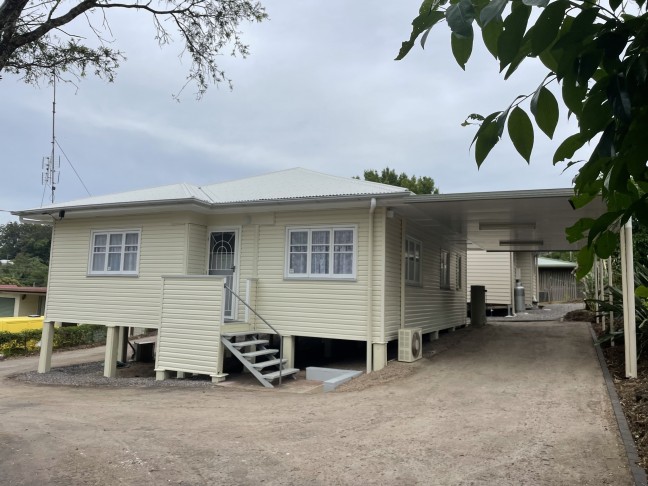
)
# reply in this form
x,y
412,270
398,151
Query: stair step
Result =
x,y
239,333
275,374
243,344
271,362
260,352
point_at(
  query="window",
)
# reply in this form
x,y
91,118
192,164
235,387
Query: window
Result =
x,y
413,261
458,279
321,253
115,252
445,270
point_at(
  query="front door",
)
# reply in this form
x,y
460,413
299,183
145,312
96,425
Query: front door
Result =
x,y
222,261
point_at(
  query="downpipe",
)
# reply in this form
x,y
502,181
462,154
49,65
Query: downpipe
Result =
x,y
372,209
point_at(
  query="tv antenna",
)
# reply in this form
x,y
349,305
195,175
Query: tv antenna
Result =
x,y
51,167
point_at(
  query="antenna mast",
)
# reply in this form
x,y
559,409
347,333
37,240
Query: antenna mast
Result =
x,y
51,166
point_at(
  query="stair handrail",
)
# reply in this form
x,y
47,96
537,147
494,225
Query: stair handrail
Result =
x,y
267,324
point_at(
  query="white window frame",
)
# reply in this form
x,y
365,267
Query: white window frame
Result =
x,y
459,273
321,276
417,265
119,272
444,269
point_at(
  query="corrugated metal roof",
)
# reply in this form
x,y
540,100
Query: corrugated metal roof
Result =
x,y
544,262
294,184
172,192
287,184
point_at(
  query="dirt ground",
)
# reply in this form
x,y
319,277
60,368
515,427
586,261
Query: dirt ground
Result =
x,y
508,404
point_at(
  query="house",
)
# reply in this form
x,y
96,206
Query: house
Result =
x,y
16,301
498,272
557,281
309,254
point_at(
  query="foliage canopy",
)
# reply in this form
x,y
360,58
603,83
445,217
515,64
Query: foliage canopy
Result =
x,y
32,240
596,55
34,38
418,185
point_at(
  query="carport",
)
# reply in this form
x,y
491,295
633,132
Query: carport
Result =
x,y
522,221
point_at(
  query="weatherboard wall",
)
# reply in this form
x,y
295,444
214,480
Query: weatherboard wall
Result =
x,y
75,296
427,305
492,270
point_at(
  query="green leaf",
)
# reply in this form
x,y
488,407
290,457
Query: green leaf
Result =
x,y
536,3
642,291
614,4
606,243
573,94
568,147
580,200
576,231
511,38
461,48
485,142
545,110
587,64
425,21
585,261
460,17
521,132
491,34
492,11
547,26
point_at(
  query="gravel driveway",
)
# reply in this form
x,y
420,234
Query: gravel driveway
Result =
x,y
507,404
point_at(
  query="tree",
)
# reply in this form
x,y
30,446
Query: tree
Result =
x,y
32,240
418,185
28,271
9,281
596,53
34,38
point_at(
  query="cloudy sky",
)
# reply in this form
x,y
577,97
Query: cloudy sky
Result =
x,y
320,90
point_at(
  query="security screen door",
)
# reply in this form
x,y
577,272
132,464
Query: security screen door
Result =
x,y
222,261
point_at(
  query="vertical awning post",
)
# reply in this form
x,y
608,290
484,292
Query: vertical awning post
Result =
x,y
610,297
627,283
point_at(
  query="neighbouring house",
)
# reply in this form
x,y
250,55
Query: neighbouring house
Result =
x,y
498,272
16,301
557,281
310,254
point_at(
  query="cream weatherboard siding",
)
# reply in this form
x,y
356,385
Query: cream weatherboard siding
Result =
x,y
393,276
493,270
525,262
74,296
335,308
189,335
196,249
427,305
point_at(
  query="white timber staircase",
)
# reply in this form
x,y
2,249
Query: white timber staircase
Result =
x,y
260,360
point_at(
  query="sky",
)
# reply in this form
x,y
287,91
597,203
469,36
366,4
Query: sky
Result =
x,y
320,90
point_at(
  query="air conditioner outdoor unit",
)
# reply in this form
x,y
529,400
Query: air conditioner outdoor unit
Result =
x,y
410,344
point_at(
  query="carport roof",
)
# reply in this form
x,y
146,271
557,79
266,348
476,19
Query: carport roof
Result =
x,y
531,220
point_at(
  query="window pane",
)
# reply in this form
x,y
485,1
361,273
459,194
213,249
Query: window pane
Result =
x,y
320,263
297,263
299,237
100,240
130,262
321,237
114,262
98,262
343,264
116,239
343,237
132,239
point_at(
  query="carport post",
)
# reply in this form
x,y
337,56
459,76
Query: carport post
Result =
x,y
47,340
629,319
610,298
122,349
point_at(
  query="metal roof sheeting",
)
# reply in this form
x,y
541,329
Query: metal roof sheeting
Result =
x,y
287,184
544,262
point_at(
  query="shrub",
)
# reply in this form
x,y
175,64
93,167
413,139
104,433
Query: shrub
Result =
x,y
23,342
